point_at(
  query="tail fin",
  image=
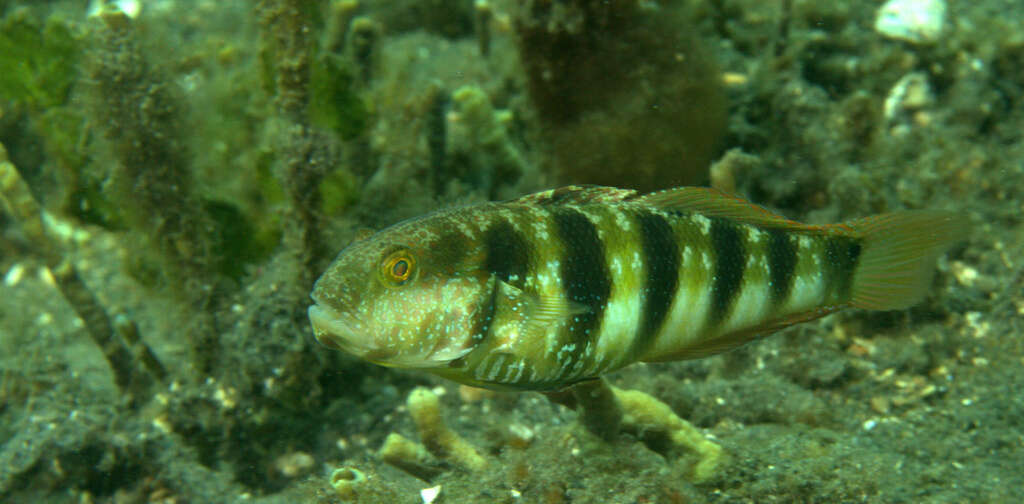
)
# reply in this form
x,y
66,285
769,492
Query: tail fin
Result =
x,y
897,261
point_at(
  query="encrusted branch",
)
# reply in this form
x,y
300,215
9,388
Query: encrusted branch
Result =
x,y
111,338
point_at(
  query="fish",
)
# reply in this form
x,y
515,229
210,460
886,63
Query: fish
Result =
x,y
569,284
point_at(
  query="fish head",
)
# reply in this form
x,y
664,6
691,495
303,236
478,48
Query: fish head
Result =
x,y
402,297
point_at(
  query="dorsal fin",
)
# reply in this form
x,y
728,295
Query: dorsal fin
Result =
x,y
576,195
714,203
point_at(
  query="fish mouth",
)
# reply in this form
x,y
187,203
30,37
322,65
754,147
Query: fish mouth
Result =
x,y
331,330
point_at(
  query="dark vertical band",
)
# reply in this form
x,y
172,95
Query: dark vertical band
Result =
x,y
730,260
781,265
661,257
452,247
841,257
584,272
508,252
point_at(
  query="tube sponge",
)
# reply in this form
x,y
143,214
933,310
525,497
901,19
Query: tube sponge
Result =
x,y
425,409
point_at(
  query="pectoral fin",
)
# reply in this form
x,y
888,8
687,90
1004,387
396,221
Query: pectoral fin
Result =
x,y
536,312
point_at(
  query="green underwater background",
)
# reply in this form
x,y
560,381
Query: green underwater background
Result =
x,y
176,174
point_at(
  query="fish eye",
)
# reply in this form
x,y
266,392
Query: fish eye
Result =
x,y
398,267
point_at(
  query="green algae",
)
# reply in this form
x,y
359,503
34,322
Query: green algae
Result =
x,y
39,60
335,104
39,64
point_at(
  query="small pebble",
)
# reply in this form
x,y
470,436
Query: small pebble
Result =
x,y
915,21
520,436
14,275
294,464
910,93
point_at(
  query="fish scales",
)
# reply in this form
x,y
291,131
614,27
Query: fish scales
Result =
x,y
569,284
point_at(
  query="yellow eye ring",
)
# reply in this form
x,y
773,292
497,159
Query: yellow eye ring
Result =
x,y
398,267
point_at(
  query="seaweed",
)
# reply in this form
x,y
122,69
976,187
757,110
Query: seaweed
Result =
x,y
39,60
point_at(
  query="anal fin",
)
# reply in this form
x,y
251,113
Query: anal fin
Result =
x,y
735,339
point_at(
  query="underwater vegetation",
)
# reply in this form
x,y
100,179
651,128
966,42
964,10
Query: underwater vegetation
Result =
x,y
176,175
626,93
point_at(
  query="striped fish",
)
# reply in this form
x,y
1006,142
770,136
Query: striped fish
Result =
x,y
569,284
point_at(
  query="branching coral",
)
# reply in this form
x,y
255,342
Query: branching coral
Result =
x,y
115,338
604,410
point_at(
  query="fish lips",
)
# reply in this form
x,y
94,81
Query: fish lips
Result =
x,y
331,330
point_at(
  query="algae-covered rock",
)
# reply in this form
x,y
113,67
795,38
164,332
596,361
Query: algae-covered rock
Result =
x,y
626,92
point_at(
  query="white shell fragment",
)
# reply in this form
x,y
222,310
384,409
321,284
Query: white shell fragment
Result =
x,y
915,21
911,93
429,495
14,275
130,8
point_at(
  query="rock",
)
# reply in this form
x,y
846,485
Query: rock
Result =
x,y
915,21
